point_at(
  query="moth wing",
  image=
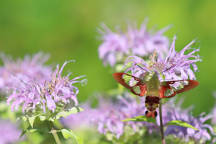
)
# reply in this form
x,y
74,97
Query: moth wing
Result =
x,y
131,82
190,84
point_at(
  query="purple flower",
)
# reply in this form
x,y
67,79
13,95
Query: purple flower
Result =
x,y
112,113
142,43
175,66
117,46
56,94
175,112
114,46
8,133
30,68
108,116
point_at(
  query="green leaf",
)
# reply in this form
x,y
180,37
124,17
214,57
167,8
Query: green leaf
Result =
x,y
181,123
31,120
140,118
74,110
69,134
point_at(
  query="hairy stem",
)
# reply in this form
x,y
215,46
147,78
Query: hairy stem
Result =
x,y
55,135
161,124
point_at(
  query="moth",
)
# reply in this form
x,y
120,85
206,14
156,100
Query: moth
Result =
x,y
153,89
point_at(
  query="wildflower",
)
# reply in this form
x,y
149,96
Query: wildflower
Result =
x,y
54,95
112,113
143,43
108,116
30,68
117,46
175,112
9,132
175,66
114,47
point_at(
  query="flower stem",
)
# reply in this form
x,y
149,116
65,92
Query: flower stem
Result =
x,y
55,135
161,124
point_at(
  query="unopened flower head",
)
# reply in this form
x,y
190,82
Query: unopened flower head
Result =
x,y
54,95
175,66
117,46
31,68
9,133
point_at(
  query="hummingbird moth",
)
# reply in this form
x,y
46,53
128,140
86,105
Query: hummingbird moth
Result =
x,y
153,89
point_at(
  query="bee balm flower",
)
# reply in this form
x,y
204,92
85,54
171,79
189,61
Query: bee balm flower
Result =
x,y
175,112
30,68
117,46
112,113
54,95
175,66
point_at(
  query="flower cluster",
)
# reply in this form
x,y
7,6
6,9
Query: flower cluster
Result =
x,y
53,95
31,68
108,116
117,46
110,121
175,66
9,132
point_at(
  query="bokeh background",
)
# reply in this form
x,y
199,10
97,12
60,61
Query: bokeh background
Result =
x,y
67,29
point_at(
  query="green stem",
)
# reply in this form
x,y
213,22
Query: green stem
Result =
x,y
55,135
161,124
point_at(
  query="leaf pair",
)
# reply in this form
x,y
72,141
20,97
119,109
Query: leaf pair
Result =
x,y
152,120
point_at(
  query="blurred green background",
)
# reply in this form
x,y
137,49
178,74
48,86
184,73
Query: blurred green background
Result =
x,y
67,29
